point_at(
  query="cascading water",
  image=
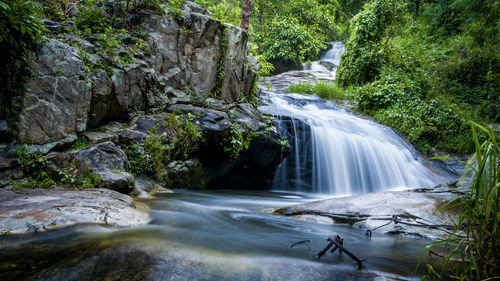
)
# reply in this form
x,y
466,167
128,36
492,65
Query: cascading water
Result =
x,y
336,152
329,61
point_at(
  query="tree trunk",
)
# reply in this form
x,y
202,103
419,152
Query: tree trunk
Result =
x,y
245,14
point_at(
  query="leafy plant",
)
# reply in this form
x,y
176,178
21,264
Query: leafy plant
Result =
x,y
237,142
20,30
476,239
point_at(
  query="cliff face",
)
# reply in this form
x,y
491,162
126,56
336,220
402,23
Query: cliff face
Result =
x,y
195,68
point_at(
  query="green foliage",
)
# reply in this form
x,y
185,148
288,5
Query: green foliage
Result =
x,y
20,30
362,58
286,39
476,238
237,142
424,75
80,143
35,166
157,153
185,135
283,30
227,11
92,18
179,142
325,90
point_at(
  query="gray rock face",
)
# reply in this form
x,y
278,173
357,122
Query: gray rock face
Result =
x,y
235,64
184,54
113,97
38,210
57,97
105,159
63,100
416,210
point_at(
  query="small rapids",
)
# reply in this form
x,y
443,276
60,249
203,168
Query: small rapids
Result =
x,y
329,61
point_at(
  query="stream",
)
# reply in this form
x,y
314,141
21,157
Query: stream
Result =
x,y
233,235
211,235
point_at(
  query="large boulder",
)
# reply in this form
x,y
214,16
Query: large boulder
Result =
x,y
57,98
235,64
106,160
39,210
184,53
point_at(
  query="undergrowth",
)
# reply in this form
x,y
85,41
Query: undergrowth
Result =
x,y
476,238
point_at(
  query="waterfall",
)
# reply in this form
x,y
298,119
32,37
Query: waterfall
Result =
x,y
337,152
329,61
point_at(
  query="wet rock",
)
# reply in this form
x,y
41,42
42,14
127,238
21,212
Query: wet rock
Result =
x,y
216,104
213,123
145,187
415,210
185,174
117,181
128,136
36,210
57,98
84,44
56,27
116,96
282,81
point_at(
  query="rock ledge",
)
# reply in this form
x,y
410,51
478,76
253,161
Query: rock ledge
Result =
x,y
36,210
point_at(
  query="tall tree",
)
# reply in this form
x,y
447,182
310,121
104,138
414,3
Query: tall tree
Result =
x,y
245,14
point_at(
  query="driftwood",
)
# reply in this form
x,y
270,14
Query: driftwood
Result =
x,y
338,242
396,220
302,242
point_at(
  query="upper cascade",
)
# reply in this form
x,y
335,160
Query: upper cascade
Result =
x,y
330,60
335,151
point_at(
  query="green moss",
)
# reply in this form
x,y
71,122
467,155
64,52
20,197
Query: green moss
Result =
x,y
219,78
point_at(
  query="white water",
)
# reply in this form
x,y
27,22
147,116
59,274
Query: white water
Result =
x,y
331,59
337,152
